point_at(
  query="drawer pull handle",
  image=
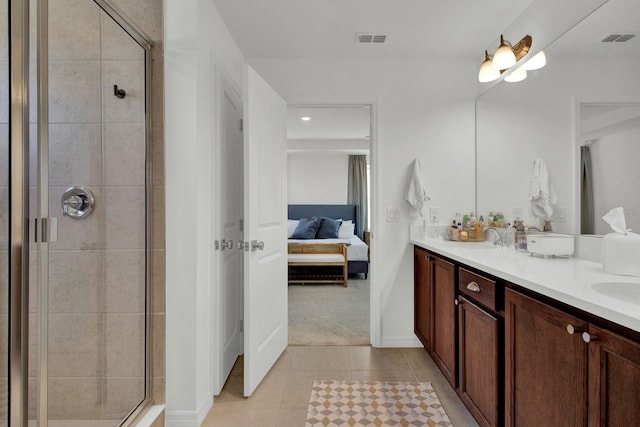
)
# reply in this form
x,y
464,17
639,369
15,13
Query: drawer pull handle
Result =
x,y
573,329
587,337
473,287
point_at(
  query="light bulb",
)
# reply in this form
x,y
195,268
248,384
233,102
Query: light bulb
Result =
x,y
504,56
487,72
516,75
537,62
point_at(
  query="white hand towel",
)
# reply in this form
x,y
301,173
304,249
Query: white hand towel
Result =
x,y
415,193
541,192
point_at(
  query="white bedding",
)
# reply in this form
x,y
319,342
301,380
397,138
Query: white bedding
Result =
x,y
356,248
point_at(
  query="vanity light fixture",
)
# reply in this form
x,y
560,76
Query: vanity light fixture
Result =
x,y
507,56
305,118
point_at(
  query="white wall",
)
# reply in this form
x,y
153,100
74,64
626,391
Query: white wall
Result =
x,y
317,178
425,111
196,42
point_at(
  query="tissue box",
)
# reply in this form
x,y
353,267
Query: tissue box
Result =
x,y
622,254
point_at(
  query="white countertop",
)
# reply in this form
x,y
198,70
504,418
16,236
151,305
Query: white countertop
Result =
x,y
568,280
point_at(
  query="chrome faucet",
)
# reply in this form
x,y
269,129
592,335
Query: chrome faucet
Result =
x,y
501,235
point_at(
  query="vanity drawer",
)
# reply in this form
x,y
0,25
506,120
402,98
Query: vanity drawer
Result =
x,y
477,287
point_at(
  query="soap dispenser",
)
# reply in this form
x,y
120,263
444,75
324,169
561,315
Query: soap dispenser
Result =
x,y
521,237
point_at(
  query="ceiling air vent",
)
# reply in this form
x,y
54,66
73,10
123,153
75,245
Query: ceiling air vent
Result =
x,y
370,38
617,38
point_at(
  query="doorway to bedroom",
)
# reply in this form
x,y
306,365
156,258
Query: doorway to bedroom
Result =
x,y
328,177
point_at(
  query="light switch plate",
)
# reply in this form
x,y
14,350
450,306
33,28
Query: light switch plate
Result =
x,y
434,215
393,214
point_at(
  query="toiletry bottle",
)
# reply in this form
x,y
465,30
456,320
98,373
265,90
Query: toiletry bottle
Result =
x,y
547,225
521,237
463,233
473,227
450,231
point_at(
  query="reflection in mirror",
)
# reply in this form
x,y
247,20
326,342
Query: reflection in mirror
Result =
x,y
609,174
538,118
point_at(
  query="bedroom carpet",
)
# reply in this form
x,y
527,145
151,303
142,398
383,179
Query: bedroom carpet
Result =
x,y
361,403
329,314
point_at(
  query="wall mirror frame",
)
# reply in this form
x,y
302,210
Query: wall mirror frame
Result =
x,y
541,116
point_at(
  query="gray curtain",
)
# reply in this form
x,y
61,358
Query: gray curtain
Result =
x,y
357,190
586,192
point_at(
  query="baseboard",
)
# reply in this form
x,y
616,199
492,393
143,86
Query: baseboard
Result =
x,y
189,418
403,341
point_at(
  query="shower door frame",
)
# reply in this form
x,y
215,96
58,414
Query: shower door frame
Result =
x,y
20,223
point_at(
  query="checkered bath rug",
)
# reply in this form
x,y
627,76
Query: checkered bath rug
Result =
x,y
359,403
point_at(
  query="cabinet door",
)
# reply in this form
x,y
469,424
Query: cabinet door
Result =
x,y
422,287
614,379
546,367
444,318
479,347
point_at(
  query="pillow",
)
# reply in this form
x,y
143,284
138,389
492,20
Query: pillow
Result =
x,y
328,228
346,230
307,228
291,226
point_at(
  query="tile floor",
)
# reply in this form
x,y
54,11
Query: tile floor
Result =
x,y
281,400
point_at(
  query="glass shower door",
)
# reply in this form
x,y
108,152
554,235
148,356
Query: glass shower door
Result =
x,y
89,365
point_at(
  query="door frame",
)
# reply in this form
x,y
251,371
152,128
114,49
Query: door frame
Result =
x,y
374,178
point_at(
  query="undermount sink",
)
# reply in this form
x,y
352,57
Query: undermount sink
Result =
x,y
625,291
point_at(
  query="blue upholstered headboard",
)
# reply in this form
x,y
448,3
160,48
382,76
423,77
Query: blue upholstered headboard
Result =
x,y
345,212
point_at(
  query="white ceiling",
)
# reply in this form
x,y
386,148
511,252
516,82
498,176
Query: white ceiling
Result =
x,y
614,17
328,123
327,28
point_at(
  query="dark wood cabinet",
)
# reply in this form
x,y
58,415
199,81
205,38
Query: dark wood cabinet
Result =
x,y
517,358
614,379
546,365
423,295
444,337
479,376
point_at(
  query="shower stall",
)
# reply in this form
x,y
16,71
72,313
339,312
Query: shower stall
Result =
x,y
75,216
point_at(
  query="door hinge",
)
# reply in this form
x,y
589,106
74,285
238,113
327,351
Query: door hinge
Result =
x,y
241,125
241,224
241,325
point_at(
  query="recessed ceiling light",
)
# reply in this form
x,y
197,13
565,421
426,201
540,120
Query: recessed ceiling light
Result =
x,y
305,118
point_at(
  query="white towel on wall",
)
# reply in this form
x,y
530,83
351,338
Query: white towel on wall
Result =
x,y
415,193
541,192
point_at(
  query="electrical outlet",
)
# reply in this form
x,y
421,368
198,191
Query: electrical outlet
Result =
x,y
434,215
393,214
560,215
517,213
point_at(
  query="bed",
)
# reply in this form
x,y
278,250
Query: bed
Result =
x,y
357,250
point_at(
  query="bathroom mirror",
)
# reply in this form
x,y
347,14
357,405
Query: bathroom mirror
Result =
x,y
544,115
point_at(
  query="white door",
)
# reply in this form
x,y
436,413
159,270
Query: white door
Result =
x,y
231,225
265,279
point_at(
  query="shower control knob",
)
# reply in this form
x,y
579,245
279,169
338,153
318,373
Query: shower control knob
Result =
x,y
77,202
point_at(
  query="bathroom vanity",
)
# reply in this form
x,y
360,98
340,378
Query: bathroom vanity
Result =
x,y
527,340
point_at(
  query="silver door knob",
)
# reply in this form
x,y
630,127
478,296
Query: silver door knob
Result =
x,y
240,245
255,245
